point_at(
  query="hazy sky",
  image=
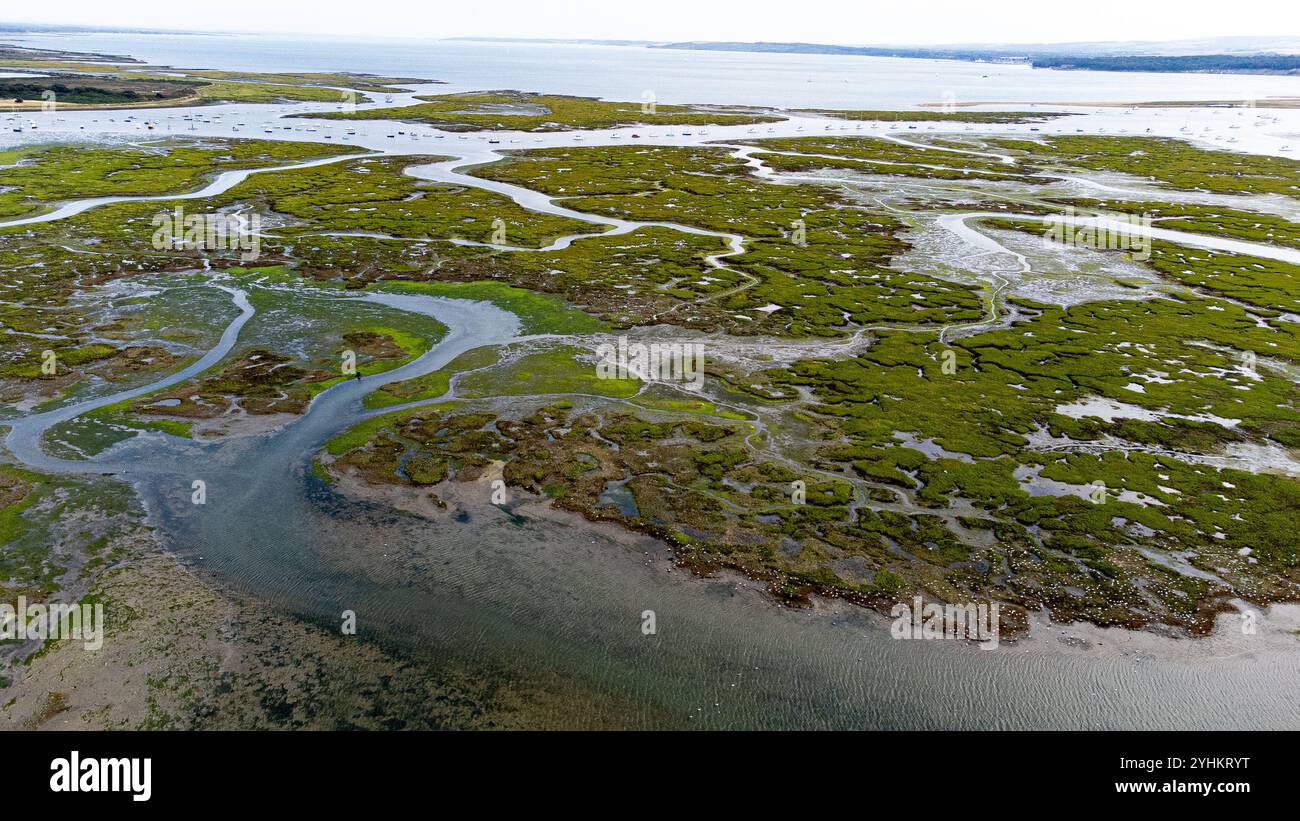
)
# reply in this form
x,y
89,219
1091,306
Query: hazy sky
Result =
x,y
824,21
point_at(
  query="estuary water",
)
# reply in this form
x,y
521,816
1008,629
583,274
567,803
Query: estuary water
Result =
x,y
672,76
540,597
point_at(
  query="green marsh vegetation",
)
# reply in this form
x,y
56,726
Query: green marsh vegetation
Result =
x,y
97,84
1250,226
431,385
937,115
343,79
1267,286
91,91
46,176
261,87
374,195
1180,361
1169,162
539,313
301,342
726,504
835,278
559,369
45,265
875,155
52,262
919,478
521,111
54,529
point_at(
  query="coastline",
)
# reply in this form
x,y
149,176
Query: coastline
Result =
x,y
1036,630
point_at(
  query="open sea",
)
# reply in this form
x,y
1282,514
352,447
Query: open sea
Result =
x,y
674,76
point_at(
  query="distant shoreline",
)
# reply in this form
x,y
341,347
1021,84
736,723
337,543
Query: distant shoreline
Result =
x,y
1077,57
1278,64
1264,102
